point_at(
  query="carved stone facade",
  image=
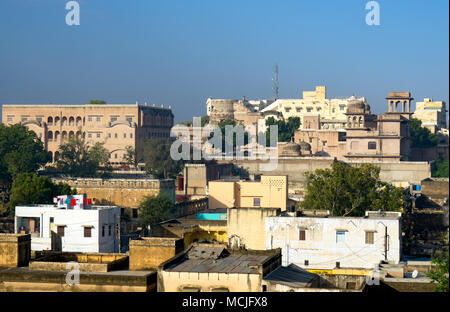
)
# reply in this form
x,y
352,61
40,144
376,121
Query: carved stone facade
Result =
x,y
116,125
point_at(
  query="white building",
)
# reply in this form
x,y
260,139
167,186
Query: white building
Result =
x,y
336,242
72,224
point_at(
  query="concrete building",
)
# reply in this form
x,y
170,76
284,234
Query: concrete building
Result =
x,y
335,242
206,268
197,176
331,111
433,114
116,125
72,224
126,193
270,192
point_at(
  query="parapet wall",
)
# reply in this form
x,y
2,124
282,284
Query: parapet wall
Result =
x,y
127,193
15,250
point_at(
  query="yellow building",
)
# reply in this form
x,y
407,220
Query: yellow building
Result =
x,y
269,192
433,114
332,111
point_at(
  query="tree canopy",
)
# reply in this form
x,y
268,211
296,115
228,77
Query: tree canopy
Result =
x,y
155,208
439,168
286,129
20,151
420,136
130,156
97,102
158,160
350,191
439,274
29,188
77,158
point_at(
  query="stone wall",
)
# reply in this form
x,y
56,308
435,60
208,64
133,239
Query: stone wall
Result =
x,y
148,253
15,250
127,193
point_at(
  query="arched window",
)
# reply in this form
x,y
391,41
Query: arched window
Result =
x,y
50,121
50,135
51,156
56,156
79,134
56,135
63,121
64,135
56,121
71,134
71,121
78,121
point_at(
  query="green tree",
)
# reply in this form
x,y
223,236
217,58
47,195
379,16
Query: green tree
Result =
x,y
130,156
439,168
77,158
29,188
439,274
350,191
286,129
20,151
155,208
204,120
97,102
420,136
158,160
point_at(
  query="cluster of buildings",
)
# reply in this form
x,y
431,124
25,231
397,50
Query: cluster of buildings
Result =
x,y
235,227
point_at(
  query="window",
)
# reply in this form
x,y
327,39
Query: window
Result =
x,y
287,109
39,119
257,202
124,135
89,118
135,213
60,230
341,107
310,140
114,118
338,265
372,145
109,135
129,118
10,118
299,109
103,231
309,109
24,118
302,234
340,236
306,262
98,135
115,156
324,143
109,230
115,135
131,135
87,231
99,118
370,237
89,135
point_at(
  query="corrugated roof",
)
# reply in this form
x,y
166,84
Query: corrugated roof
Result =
x,y
291,275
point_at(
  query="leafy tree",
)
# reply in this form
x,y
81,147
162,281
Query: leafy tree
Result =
x,y
20,151
155,208
157,158
420,136
97,102
346,190
204,120
439,168
440,273
286,130
29,188
77,158
130,156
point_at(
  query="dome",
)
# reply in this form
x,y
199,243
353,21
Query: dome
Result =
x,y
288,149
305,147
355,106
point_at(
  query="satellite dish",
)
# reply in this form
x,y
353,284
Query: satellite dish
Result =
x,y
415,273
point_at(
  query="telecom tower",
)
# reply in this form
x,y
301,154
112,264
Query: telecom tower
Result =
x,y
275,81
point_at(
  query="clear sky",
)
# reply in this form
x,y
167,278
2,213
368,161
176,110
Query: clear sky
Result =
x,y
179,52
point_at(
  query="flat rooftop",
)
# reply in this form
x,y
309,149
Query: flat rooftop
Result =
x,y
219,260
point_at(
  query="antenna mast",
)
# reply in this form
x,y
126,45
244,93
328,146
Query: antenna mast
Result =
x,y
275,81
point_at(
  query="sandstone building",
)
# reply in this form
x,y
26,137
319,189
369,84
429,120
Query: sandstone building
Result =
x,y
116,125
433,114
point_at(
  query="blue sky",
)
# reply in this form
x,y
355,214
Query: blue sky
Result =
x,y
179,53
